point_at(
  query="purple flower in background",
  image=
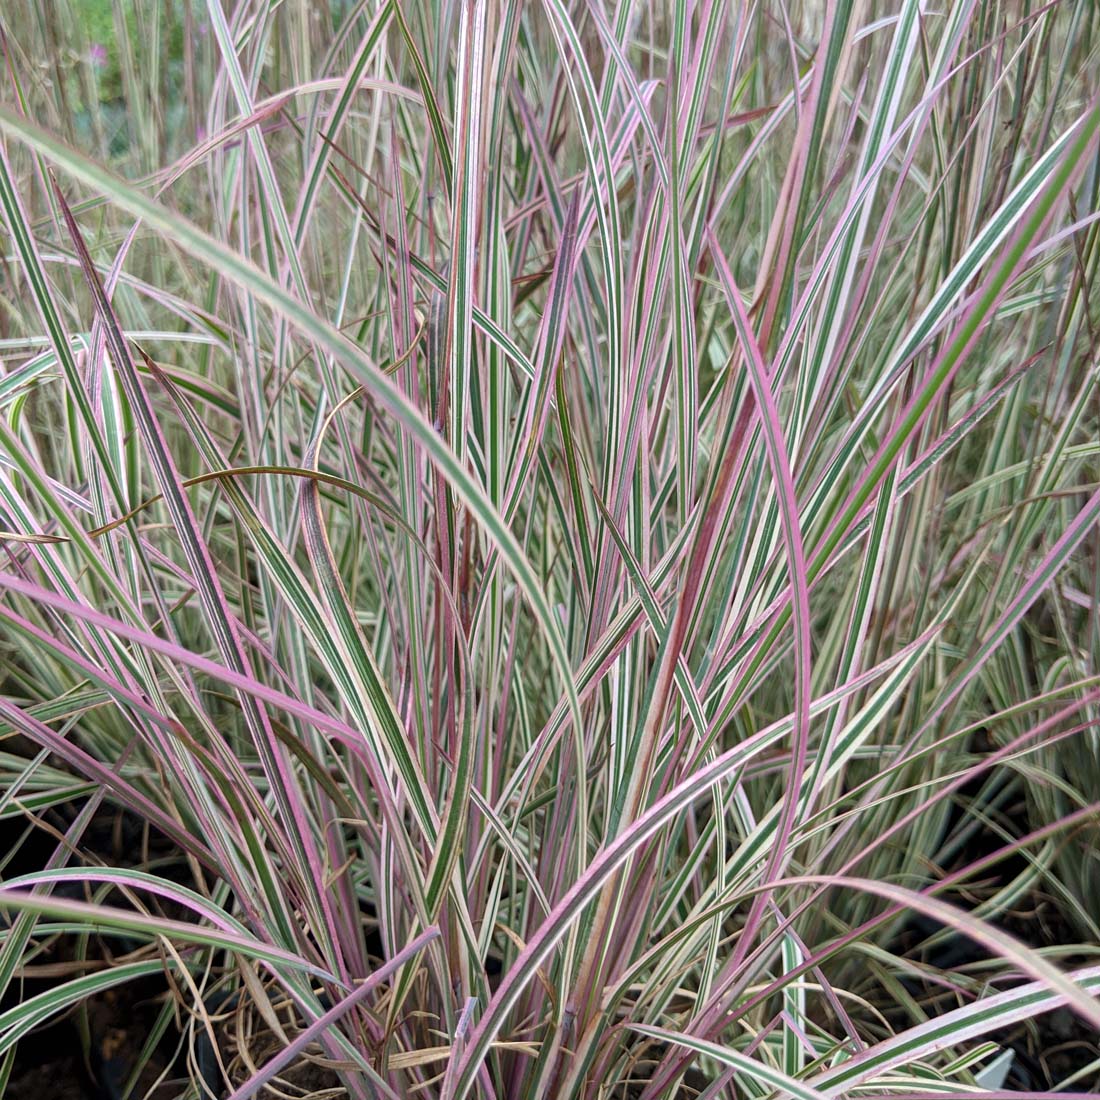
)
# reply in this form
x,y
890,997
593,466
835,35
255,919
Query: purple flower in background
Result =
x,y
200,132
97,55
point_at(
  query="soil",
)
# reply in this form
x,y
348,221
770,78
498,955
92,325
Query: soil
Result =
x,y
119,1023
90,1052
1051,1048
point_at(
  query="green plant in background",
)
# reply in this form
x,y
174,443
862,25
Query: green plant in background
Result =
x,y
575,524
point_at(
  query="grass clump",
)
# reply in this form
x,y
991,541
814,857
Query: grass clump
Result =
x,y
566,531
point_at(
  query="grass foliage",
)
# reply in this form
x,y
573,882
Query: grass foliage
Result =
x,y
577,521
